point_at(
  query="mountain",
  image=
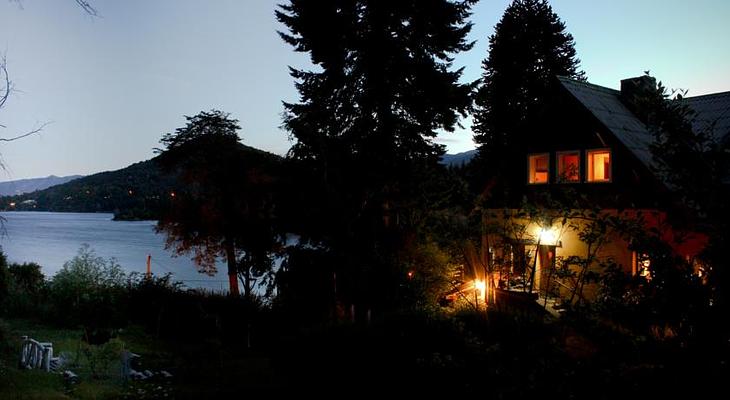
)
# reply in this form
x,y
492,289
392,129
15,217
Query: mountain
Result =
x,y
458,159
20,186
139,191
135,192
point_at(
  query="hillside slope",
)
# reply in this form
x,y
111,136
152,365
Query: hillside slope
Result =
x,y
21,186
139,191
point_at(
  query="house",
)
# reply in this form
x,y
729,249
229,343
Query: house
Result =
x,y
590,149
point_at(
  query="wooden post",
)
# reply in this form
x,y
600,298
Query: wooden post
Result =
x,y
149,266
534,263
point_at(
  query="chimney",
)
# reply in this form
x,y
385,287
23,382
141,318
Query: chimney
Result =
x,y
636,95
632,88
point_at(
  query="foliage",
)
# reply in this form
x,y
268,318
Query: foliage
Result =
x,y
100,357
4,279
364,126
27,290
428,270
307,284
139,191
226,206
693,161
23,289
87,289
528,49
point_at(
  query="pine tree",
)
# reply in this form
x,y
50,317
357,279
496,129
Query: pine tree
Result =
x,y
528,49
363,129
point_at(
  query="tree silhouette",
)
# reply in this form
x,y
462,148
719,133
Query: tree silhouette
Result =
x,y
226,205
527,50
364,126
7,87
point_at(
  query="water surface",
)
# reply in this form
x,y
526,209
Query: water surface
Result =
x,y
50,239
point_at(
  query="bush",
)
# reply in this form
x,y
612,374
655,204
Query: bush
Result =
x,y
88,290
4,281
27,277
99,358
27,291
22,289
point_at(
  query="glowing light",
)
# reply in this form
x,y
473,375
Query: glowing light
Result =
x,y
410,274
481,288
548,236
12,204
172,194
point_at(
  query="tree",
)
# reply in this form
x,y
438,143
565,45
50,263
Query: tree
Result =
x,y
364,127
7,87
528,49
694,161
226,205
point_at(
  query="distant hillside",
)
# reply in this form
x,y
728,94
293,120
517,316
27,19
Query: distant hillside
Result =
x,y
458,158
139,191
135,192
20,186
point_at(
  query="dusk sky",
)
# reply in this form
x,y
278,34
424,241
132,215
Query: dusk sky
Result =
x,y
111,86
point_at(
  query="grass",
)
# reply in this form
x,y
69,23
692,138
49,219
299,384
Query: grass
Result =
x,y
16,383
512,357
200,369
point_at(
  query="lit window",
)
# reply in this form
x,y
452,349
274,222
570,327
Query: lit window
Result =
x,y
599,165
538,168
569,166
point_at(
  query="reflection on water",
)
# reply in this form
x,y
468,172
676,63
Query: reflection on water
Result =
x,y
50,239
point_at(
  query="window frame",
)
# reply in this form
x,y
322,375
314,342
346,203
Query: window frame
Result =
x,y
610,164
529,165
557,166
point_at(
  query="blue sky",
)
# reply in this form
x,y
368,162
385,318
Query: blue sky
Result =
x,y
111,86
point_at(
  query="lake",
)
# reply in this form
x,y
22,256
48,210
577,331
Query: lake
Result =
x,y
50,239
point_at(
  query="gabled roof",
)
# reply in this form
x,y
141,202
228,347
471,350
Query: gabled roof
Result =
x,y
605,104
713,113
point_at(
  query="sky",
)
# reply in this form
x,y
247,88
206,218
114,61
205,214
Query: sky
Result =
x,y
111,86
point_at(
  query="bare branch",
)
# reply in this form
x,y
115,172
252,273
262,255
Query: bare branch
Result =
x,y
87,7
84,4
8,85
34,131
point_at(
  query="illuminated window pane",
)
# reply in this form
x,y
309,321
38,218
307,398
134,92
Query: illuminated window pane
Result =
x,y
539,164
569,167
599,165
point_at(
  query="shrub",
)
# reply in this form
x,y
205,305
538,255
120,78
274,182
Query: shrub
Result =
x,y
27,290
99,358
87,291
27,277
4,281
22,288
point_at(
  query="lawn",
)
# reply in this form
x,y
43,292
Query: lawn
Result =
x,y
99,378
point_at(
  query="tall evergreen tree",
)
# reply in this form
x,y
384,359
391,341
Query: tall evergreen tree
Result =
x,y
529,47
364,126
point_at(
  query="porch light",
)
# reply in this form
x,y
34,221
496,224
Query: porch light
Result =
x,y
548,237
481,287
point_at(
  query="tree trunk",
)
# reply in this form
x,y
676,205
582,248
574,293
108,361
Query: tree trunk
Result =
x,y
247,280
232,270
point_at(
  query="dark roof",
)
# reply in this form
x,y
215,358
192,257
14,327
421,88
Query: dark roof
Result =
x,y
713,113
605,104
